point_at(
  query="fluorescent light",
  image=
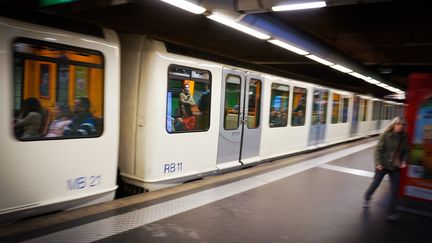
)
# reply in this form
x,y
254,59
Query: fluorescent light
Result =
x,y
360,76
372,81
383,85
341,68
185,5
289,47
320,60
228,22
299,6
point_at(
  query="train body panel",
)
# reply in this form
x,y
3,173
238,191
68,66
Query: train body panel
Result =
x,y
42,174
185,153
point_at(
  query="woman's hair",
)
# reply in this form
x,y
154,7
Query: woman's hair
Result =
x,y
396,120
30,105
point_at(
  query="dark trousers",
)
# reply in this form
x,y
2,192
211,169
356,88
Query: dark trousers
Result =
x,y
394,182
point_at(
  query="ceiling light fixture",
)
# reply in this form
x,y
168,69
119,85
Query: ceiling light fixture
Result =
x,y
320,60
288,47
341,68
372,81
185,5
299,6
231,23
358,75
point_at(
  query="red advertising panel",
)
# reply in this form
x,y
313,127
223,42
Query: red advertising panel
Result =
x,y
417,181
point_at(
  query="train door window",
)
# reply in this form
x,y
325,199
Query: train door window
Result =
x,y
298,106
279,105
335,108
188,100
345,110
58,90
319,107
254,103
232,102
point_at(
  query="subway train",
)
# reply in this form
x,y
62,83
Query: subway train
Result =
x,y
78,108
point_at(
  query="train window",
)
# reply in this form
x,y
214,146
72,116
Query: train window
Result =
x,y
298,106
363,109
58,91
376,110
345,110
254,103
232,102
336,108
279,105
188,100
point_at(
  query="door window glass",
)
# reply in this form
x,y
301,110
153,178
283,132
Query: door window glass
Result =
x,y
254,103
319,108
232,102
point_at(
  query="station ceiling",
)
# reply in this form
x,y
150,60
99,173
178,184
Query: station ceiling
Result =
x,y
390,39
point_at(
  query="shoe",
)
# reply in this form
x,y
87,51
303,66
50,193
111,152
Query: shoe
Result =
x,y
366,204
392,217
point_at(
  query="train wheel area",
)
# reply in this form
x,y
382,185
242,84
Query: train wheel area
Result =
x,y
310,197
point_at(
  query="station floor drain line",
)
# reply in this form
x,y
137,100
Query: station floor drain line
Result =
x,y
120,223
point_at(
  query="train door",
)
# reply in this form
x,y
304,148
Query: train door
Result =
x,y
240,130
319,117
355,116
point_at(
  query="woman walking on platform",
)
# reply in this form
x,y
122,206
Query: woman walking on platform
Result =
x,y
390,155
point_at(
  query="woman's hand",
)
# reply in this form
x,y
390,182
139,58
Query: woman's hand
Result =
x,y
379,167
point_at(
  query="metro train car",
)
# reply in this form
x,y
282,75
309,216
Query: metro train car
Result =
x,y
183,118
41,70
70,119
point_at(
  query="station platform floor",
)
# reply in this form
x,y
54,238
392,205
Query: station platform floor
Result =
x,y
313,197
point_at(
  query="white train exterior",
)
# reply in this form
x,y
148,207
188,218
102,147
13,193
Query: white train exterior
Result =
x,y
42,175
235,117
153,155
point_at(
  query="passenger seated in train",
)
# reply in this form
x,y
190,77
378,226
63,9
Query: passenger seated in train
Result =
x,y
61,121
185,98
185,119
29,122
83,122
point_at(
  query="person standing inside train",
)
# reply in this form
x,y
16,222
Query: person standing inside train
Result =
x,y
390,155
